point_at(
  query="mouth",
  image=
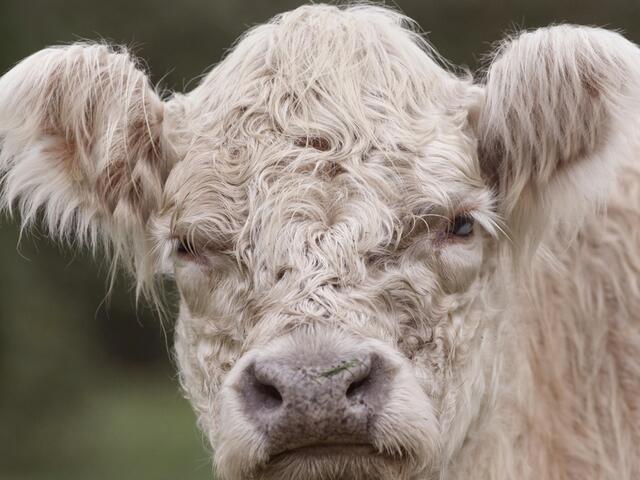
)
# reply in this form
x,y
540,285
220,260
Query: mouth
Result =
x,y
344,461
328,450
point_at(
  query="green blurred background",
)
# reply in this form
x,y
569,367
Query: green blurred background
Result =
x,y
87,385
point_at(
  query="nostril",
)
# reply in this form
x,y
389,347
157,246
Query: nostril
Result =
x,y
267,395
258,389
357,387
366,382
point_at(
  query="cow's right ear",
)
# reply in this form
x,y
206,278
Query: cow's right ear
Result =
x,y
84,140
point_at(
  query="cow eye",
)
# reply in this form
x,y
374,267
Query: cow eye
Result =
x,y
184,248
462,226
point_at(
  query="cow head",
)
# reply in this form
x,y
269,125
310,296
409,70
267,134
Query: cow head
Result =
x,y
340,213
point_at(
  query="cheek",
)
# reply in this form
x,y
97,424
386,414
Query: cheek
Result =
x,y
208,331
459,264
205,351
437,343
450,346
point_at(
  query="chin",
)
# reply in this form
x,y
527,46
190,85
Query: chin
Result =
x,y
335,462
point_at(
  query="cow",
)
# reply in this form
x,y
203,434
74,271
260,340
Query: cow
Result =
x,y
388,268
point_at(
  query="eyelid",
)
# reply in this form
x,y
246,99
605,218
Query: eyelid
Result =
x,y
185,247
195,248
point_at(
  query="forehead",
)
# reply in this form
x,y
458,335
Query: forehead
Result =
x,y
318,112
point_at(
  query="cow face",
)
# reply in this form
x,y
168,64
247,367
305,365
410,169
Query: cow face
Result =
x,y
333,240
331,203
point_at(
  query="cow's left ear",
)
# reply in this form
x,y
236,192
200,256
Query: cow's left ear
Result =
x,y
561,108
85,141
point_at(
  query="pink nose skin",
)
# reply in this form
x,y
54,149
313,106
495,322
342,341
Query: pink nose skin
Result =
x,y
310,402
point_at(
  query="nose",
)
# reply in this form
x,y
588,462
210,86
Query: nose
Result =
x,y
305,401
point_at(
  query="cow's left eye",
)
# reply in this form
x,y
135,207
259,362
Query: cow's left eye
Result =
x,y
462,226
184,248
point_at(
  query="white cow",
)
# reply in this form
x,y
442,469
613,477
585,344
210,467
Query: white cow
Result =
x,y
386,270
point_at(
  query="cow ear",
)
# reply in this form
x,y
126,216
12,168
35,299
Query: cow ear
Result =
x,y
83,141
561,108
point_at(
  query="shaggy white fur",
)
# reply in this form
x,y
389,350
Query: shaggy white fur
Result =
x,y
303,196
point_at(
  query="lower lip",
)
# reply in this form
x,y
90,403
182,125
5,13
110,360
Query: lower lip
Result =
x,y
350,450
